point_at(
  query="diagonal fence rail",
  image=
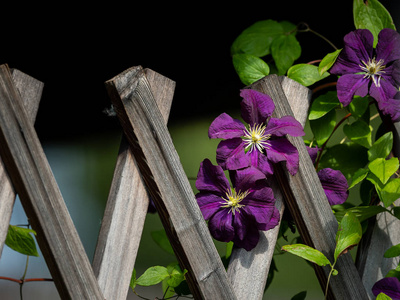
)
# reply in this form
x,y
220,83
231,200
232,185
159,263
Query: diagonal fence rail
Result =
x,y
149,166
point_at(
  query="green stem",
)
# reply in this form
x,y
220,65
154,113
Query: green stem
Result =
x,y
308,29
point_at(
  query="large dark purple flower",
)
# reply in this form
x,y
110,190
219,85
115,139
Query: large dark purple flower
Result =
x,y
335,185
236,213
262,142
364,70
390,286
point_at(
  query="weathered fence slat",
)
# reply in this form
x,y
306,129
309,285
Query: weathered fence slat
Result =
x,y
30,90
248,270
126,209
168,185
34,182
307,203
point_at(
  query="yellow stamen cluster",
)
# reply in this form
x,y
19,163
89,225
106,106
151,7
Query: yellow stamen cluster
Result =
x,y
374,70
233,200
255,138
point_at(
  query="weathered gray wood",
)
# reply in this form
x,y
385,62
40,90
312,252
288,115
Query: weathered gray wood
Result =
x,y
30,90
168,185
126,209
34,182
248,270
307,202
384,233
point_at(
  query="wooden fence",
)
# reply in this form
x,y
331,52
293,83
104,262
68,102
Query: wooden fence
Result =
x,y
149,166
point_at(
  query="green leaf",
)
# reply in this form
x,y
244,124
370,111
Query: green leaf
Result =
x,y
358,106
323,104
371,15
358,176
348,235
359,132
257,38
392,251
132,284
382,296
249,68
152,276
361,212
285,49
308,253
161,239
305,74
382,147
383,169
396,212
176,277
323,127
328,61
20,239
346,157
390,192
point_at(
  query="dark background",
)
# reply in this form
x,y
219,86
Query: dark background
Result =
x,y
74,50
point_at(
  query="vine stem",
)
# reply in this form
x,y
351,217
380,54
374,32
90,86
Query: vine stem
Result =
x,y
327,283
324,144
308,29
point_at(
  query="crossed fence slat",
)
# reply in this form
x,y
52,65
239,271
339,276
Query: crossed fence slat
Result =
x,y
30,90
134,95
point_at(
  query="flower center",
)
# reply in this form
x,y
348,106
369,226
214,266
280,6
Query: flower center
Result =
x,y
374,70
233,200
255,138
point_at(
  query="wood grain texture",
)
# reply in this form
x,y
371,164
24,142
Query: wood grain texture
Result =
x,y
248,270
308,205
168,185
40,196
126,208
30,90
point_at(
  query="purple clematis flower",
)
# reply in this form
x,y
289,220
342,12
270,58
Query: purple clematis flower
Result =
x,y
335,185
262,143
390,286
236,213
364,70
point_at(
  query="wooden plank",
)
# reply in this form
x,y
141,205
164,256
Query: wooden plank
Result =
x,y
126,208
34,182
248,270
307,202
384,233
168,185
30,90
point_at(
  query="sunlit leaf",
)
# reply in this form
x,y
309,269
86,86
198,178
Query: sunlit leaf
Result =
x,y
384,169
249,68
348,235
390,192
323,104
358,176
305,74
152,276
21,240
328,61
359,132
382,147
308,253
285,49
392,251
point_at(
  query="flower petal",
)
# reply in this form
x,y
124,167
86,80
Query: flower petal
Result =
x,y
391,107
335,185
389,286
246,231
313,152
225,127
231,154
358,47
211,178
388,47
209,203
260,161
256,107
349,85
283,126
282,150
221,227
245,179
